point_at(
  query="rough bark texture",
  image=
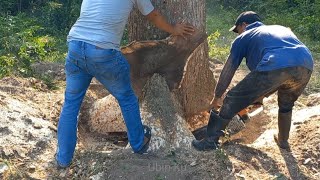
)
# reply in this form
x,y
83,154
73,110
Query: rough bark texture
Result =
x,y
167,57
196,89
165,116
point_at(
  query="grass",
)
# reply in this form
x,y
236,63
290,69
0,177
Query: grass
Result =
x,y
314,83
48,81
218,23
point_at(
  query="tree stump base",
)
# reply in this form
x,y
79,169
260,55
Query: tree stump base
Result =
x,y
162,112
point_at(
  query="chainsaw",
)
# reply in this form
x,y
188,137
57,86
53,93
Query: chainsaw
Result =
x,y
237,123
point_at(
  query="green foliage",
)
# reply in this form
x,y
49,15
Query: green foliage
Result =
x,y
219,21
217,49
33,31
14,7
24,43
302,16
59,16
6,64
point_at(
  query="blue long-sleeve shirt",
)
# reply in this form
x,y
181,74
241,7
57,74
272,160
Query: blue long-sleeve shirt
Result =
x,y
266,48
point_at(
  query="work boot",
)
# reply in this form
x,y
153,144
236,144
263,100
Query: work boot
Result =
x,y
200,133
235,125
284,124
215,130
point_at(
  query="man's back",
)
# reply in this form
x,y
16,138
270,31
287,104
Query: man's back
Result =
x,y
102,22
270,47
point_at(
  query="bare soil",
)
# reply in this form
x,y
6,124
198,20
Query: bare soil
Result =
x,y
30,111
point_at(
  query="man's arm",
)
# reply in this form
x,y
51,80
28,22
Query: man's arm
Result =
x,y
236,55
225,78
160,22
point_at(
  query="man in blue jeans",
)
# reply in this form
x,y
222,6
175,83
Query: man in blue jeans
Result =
x,y
94,51
278,61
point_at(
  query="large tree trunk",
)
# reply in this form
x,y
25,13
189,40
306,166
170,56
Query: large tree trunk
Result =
x,y
171,76
197,87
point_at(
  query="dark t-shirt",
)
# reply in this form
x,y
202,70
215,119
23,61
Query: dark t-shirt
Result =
x,y
266,48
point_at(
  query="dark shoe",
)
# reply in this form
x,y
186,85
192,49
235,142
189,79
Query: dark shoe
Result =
x,y
217,125
147,138
200,133
284,124
205,144
57,171
214,131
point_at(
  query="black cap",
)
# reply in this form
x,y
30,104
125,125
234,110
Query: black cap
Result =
x,y
247,17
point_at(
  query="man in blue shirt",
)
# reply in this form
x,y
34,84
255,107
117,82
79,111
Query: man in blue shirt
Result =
x,y
278,61
94,51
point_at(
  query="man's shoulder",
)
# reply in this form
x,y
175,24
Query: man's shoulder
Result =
x,y
242,37
274,28
140,1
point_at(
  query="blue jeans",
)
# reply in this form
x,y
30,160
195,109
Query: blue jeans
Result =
x,y
85,61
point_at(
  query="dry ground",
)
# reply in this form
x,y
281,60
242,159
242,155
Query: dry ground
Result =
x,y
29,114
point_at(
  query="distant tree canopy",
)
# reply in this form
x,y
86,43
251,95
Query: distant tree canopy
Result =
x,y
53,14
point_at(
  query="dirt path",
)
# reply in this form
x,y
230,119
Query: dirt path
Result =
x,y
30,112
260,158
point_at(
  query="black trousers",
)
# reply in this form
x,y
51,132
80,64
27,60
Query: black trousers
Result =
x,y
289,82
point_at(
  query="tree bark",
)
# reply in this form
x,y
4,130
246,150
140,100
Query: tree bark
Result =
x,y
165,116
197,87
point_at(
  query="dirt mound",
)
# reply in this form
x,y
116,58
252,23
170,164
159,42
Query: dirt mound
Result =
x,y
307,144
27,137
49,69
16,86
313,99
123,164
